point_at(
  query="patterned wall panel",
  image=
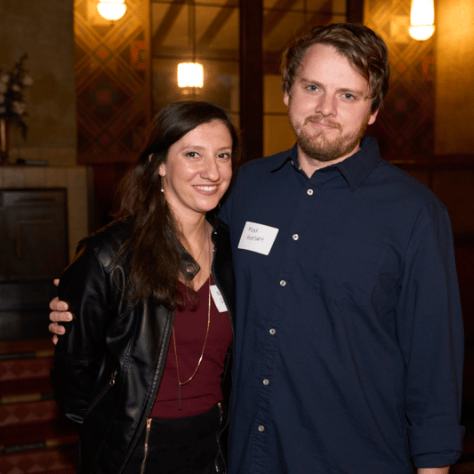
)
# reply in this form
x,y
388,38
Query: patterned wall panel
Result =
x,y
113,88
405,126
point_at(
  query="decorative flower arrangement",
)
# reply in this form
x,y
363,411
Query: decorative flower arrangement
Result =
x,y
12,104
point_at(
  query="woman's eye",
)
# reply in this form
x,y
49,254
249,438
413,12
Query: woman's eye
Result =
x,y
192,154
224,155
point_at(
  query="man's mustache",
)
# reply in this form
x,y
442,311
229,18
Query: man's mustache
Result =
x,y
322,120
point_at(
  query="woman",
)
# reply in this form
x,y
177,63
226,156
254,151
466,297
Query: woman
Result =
x,y
140,368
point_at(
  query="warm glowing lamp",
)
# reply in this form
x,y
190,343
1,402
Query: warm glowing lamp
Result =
x,y
421,19
112,9
190,75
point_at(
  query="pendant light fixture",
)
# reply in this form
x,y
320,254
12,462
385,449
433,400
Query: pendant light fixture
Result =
x,y
112,9
421,19
191,74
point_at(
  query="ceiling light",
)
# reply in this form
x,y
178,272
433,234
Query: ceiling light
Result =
x,y
112,9
190,75
421,19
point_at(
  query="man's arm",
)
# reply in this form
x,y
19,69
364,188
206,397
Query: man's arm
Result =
x,y
434,470
429,328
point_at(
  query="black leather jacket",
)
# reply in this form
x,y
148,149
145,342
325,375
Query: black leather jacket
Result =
x,y
108,366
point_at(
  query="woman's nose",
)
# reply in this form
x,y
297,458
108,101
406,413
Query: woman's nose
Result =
x,y
210,170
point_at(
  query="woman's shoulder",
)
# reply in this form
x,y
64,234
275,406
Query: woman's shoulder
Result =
x,y
117,231
107,241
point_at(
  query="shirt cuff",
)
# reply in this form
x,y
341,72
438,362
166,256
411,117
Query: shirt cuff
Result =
x,y
435,446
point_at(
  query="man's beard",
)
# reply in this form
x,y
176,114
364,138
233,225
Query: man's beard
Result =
x,y
317,145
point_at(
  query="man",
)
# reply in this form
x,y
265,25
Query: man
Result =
x,y
348,354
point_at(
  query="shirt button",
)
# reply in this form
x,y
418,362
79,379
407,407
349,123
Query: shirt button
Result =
x,y
261,428
309,192
282,283
272,331
296,236
266,382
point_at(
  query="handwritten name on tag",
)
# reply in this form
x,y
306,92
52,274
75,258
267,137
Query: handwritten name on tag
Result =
x,y
257,238
218,299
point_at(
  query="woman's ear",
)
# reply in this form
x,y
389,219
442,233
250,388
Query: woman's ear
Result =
x,y
162,169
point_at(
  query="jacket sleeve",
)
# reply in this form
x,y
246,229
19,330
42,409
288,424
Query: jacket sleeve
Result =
x,y
80,353
430,331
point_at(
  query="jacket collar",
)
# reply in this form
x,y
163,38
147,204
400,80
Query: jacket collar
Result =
x,y
189,264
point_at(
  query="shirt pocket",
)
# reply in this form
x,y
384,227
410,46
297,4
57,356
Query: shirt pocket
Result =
x,y
348,269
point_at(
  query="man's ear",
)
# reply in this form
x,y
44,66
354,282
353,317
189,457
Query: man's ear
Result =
x,y
286,99
372,117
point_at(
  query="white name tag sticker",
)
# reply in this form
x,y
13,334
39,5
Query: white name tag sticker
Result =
x,y
218,299
257,238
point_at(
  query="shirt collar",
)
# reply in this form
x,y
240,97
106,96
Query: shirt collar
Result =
x,y
354,169
358,167
289,155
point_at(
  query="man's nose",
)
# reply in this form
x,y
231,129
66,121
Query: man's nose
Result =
x,y
327,105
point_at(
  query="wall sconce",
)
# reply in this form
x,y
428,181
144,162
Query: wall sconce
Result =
x,y
191,74
421,19
112,9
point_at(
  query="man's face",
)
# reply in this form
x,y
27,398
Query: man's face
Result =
x,y
329,107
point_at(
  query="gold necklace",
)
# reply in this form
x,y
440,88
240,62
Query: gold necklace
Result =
x,y
202,248
180,384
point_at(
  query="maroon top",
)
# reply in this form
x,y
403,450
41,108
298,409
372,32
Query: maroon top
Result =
x,y
204,390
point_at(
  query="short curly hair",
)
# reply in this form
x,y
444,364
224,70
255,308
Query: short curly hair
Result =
x,y
364,49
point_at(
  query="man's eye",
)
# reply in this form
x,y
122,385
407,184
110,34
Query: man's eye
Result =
x,y
348,96
313,88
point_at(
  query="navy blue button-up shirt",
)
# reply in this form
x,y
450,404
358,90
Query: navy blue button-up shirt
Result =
x,y
349,340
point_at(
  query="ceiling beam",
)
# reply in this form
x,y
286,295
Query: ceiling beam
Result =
x,y
272,59
320,18
217,24
167,23
276,14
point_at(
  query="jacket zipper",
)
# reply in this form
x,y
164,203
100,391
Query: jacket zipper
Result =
x,y
148,421
221,410
147,435
103,392
221,415
112,378
231,317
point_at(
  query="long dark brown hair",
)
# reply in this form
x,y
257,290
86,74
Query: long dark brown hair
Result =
x,y
154,246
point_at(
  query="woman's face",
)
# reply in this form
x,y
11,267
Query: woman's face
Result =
x,y
198,169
